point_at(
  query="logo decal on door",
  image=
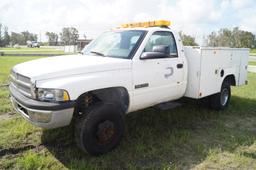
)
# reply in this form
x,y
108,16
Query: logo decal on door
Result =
x,y
141,85
170,72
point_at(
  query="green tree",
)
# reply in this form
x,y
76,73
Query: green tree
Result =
x,y
231,38
6,37
22,38
69,35
16,38
52,38
27,36
1,40
187,40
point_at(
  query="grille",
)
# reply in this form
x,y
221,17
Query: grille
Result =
x,y
21,83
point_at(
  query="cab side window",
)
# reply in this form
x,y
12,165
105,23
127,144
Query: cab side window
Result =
x,y
162,38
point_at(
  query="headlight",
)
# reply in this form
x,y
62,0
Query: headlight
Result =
x,y
54,95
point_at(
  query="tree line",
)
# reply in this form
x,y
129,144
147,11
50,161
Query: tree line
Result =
x,y
14,38
187,39
4,36
69,36
224,37
235,38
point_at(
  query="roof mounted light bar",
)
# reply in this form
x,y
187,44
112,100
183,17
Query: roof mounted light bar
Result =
x,y
157,23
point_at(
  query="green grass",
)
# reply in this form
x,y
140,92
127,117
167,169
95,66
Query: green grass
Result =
x,y
32,160
36,52
26,50
188,137
253,51
15,131
252,63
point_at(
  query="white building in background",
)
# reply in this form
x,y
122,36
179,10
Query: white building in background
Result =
x,y
70,48
80,44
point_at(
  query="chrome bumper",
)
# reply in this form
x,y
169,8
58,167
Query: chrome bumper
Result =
x,y
44,118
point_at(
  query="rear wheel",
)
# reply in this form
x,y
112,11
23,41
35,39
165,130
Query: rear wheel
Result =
x,y
100,130
221,100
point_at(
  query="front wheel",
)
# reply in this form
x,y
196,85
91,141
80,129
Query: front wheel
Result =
x,y
100,129
221,100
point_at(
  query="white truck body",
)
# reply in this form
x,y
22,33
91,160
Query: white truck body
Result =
x,y
205,65
196,72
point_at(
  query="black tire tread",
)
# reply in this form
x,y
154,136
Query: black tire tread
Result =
x,y
80,125
215,99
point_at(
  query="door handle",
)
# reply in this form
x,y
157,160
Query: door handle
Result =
x,y
180,65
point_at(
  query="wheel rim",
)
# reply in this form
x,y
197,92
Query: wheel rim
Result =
x,y
224,97
105,132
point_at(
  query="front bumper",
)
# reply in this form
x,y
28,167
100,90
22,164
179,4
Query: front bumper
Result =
x,y
43,114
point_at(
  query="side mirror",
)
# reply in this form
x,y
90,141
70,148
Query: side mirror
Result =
x,y
162,49
153,55
159,51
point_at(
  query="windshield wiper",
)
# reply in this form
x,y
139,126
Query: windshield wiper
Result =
x,y
98,53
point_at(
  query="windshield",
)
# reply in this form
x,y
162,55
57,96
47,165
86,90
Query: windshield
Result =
x,y
117,44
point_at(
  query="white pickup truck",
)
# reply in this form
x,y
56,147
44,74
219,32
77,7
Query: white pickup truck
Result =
x,y
123,70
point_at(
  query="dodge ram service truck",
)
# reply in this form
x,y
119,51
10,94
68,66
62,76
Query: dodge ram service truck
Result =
x,y
129,68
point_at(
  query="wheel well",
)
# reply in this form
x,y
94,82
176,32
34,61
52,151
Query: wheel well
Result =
x,y
231,79
117,95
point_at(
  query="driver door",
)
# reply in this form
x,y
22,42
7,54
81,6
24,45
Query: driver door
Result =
x,y
157,80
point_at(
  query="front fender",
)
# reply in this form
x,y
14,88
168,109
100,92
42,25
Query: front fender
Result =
x,y
79,84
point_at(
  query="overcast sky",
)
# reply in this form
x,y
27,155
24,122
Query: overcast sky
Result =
x,y
91,17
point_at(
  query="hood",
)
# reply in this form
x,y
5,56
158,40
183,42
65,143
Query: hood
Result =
x,y
51,67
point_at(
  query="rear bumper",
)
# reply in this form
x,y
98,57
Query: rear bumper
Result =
x,y
42,114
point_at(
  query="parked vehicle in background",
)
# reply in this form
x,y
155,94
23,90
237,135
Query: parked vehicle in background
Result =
x,y
33,44
133,67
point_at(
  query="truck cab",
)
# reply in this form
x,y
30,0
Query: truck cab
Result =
x,y
126,69
159,69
